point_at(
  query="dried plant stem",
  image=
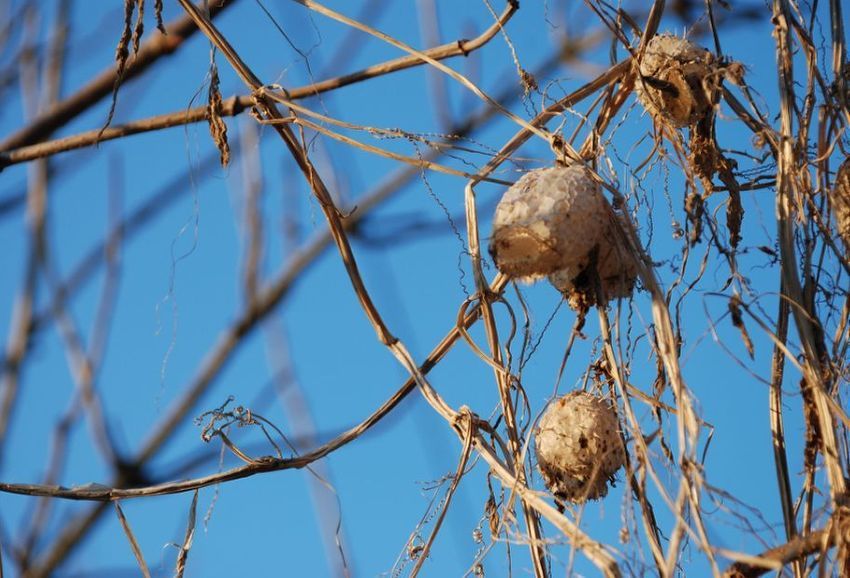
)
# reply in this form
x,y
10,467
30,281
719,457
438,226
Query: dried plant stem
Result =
x,y
777,429
515,441
785,184
134,544
644,457
231,107
252,225
188,538
412,161
795,550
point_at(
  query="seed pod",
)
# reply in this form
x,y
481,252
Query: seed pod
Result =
x,y
615,267
549,219
579,448
676,80
839,200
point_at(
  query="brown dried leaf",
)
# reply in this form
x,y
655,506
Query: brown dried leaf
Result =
x,y
694,208
734,72
157,11
814,436
218,128
839,200
122,53
529,83
703,153
738,321
707,160
493,518
734,217
139,29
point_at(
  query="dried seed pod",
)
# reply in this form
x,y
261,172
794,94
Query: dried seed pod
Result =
x,y
548,220
839,200
615,267
676,80
579,448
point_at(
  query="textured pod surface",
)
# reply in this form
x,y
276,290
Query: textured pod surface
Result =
x,y
676,80
549,219
579,447
840,201
615,267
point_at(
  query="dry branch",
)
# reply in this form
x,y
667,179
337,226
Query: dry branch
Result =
x,y
793,551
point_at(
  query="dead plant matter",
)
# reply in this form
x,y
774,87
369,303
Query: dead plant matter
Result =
x,y
579,448
676,79
840,202
550,219
614,266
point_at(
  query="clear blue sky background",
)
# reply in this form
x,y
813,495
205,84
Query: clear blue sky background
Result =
x,y
266,525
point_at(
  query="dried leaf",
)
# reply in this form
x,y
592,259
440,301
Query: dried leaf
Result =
x,y
529,83
157,11
492,512
734,218
218,128
694,208
814,436
738,321
139,29
840,202
122,53
707,160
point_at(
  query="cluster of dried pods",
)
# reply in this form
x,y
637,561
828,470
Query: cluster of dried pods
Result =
x,y
555,223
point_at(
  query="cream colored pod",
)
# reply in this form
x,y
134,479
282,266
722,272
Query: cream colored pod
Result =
x,y
839,200
615,267
550,219
676,80
578,446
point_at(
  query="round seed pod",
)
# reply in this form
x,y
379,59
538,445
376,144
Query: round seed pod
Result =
x,y
676,79
549,219
615,267
578,446
839,200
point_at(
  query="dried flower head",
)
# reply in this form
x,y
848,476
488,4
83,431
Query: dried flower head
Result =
x,y
615,268
676,80
548,220
840,202
579,448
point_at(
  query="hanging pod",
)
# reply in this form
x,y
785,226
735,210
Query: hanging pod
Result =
x,y
578,446
550,219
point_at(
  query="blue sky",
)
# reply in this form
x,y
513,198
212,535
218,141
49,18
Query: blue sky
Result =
x,y
180,287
